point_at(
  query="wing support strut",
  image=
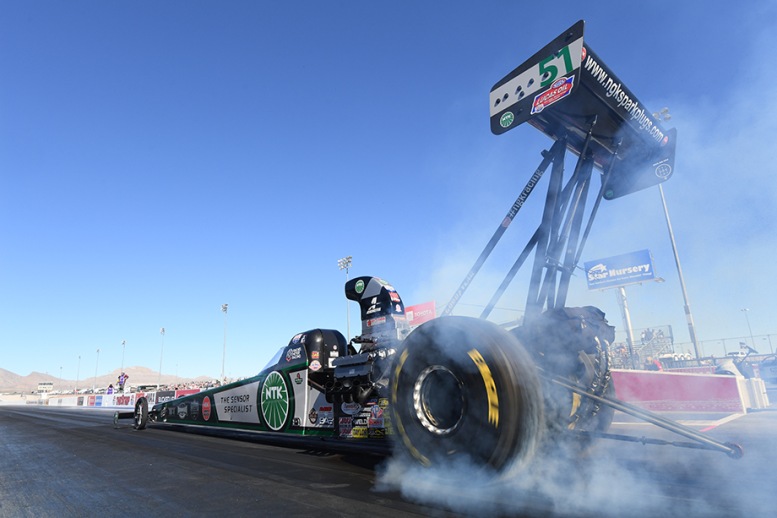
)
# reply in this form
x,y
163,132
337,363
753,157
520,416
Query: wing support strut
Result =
x,y
559,232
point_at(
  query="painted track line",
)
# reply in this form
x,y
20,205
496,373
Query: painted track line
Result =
x,y
725,420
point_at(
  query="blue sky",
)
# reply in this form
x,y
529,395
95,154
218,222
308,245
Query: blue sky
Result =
x,y
160,159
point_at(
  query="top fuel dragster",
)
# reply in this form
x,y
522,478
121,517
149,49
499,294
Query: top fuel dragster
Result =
x,y
465,387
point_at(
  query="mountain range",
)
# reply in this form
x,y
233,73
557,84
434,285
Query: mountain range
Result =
x,y
11,382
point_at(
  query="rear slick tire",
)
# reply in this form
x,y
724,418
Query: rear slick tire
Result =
x,y
464,389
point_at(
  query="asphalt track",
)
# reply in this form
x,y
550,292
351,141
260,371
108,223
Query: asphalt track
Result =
x,y
57,462
74,462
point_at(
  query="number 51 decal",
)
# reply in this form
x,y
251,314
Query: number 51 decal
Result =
x,y
549,68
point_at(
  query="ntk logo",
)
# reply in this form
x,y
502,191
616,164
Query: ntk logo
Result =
x,y
275,401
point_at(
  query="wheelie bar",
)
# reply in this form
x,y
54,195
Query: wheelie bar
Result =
x,y
703,442
648,440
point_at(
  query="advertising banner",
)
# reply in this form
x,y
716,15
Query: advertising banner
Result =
x,y
420,313
620,270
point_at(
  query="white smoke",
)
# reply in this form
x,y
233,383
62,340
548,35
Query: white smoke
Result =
x,y
608,480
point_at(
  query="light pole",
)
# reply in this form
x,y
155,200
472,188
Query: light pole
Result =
x,y
345,264
687,306
78,373
161,352
94,385
752,340
664,114
123,344
224,308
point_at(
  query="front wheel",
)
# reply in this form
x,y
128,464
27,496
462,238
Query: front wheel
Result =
x,y
464,388
141,414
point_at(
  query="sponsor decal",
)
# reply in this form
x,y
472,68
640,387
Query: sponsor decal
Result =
x,y
394,296
275,401
376,321
294,353
326,416
359,432
298,379
359,286
206,408
237,404
314,355
663,170
506,119
557,91
383,403
351,408
194,410
315,365
120,400
374,306
376,433
182,411
313,416
623,98
398,309
296,338
295,421
345,426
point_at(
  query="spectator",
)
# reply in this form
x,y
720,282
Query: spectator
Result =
x,y
122,380
652,364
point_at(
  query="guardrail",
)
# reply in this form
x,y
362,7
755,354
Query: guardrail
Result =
x,y
689,392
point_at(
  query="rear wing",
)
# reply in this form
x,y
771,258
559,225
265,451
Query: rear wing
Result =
x,y
626,139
